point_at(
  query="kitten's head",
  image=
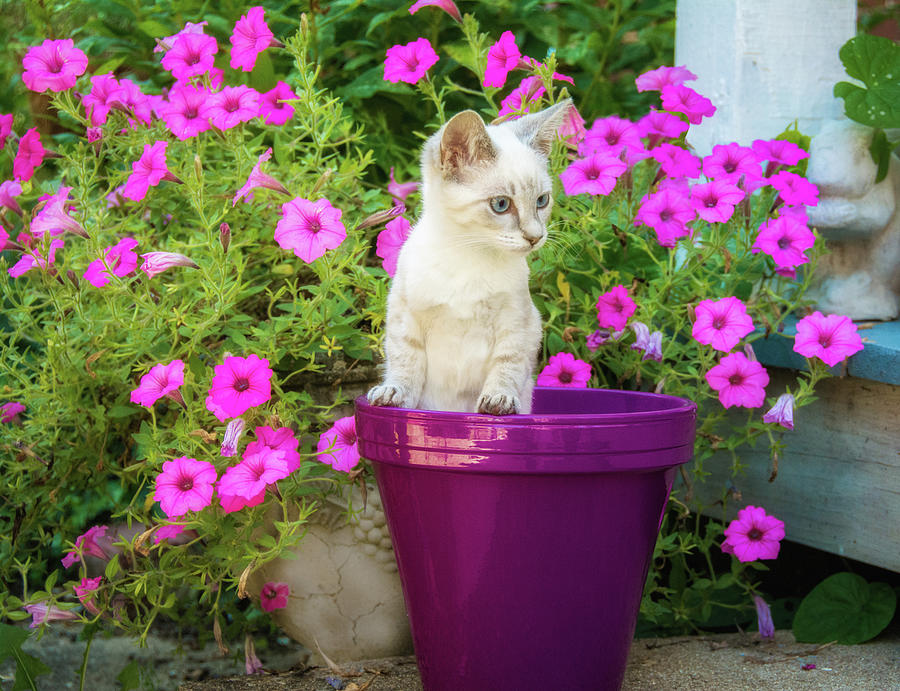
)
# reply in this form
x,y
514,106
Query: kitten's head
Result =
x,y
489,184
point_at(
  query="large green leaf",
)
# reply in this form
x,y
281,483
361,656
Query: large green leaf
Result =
x,y
875,61
844,608
28,667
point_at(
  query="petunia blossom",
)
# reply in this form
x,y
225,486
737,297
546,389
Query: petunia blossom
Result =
x,y
399,191
233,431
564,369
121,260
53,65
409,62
714,201
658,124
9,190
6,125
282,439
754,534
655,80
683,99
85,544
274,596
167,532
795,189
597,338
337,446
611,135
183,110
739,381
778,152
782,412
161,380
98,102
148,171
764,622
730,162
53,217
649,343
258,468
84,590
831,338
238,384
29,156
309,228
785,239
259,179
522,98
231,106
614,307
668,212
185,484
273,106
157,262
447,5
250,37
10,411
389,242
132,101
41,613
166,43
721,323
36,259
676,161
596,174
190,55
572,129
502,58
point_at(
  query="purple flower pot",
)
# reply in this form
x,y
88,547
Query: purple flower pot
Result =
x,y
523,542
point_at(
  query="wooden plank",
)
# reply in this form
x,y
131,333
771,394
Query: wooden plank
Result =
x,y
838,485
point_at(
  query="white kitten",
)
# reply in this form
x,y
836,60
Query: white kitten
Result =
x,y
462,333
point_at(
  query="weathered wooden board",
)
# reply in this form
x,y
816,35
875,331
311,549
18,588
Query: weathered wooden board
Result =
x,y
838,485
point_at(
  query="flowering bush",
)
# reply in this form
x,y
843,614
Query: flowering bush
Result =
x,y
184,260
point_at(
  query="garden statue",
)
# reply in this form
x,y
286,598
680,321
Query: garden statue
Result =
x,y
860,220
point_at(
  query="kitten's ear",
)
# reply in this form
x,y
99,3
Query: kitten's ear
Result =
x,y
539,130
465,142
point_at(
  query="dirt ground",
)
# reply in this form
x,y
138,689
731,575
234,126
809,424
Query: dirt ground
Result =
x,y
720,662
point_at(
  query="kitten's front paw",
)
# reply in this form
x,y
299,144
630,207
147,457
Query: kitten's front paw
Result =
x,y
388,395
498,404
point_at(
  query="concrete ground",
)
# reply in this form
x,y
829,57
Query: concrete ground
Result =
x,y
719,662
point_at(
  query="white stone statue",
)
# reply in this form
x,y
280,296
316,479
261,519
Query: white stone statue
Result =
x,y
860,221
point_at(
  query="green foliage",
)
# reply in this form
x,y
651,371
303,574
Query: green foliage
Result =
x,y
28,667
844,608
875,61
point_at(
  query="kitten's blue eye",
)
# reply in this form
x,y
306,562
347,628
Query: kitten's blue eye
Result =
x,y
500,205
543,200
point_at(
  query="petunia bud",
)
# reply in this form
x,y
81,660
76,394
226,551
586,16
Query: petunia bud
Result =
x,y
157,262
782,412
233,433
198,167
379,217
225,236
764,618
73,277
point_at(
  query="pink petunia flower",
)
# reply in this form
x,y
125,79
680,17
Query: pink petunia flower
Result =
x,y
389,242
658,124
739,381
239,383
282,439
252,663
309,228
191,55
522,98
597,338
528,63
232,437
337,446
409,62
85,544
259,179
730,162
400,190
502,58
830,338
231,106
273,106
6,124
274,596
764,619
9,412
120,258
84,592
9,190
714,201
234,502
29,156
258,468
447,5
650,343
683,99
4,239
594,175
721,323
148,171
53,65
754,534
778,152
41,613
795,189
668,212
675,161
183,111
157,262
572,130
611,135
167,532
251,36
132,101
161,380
655,80
785,239
614,307
98,102
166,43
185,484
53,217
782,412
564,369
34,258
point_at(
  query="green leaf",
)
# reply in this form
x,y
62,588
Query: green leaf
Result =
x,y
120,411
844,608
28,667
130,676
875,61
154,29
880,149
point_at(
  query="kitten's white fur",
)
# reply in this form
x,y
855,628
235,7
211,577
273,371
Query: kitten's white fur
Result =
x,y
462,333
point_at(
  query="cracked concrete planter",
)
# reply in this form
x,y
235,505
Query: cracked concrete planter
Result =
x,y
346,600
